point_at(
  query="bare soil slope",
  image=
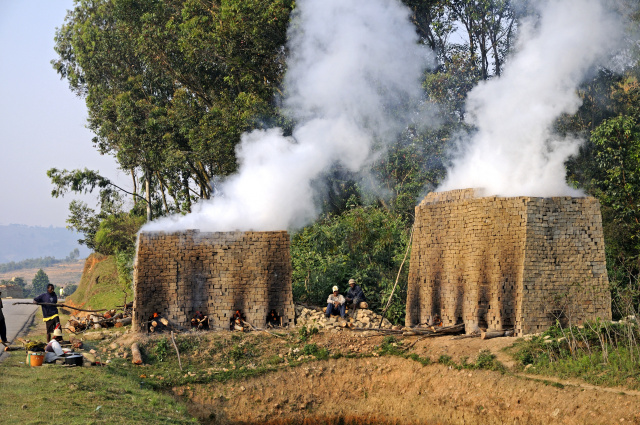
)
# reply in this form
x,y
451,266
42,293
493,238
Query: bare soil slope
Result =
x,y
402,390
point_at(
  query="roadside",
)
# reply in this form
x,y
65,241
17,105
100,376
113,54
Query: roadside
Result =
x,y
18,319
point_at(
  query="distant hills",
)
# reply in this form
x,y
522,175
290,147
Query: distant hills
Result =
x,y
19,242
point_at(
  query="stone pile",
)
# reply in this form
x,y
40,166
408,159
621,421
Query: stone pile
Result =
x,y
364,319
499,263
177,274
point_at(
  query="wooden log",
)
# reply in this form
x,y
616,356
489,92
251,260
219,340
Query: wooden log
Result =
x,y
491,334
123,322
136,356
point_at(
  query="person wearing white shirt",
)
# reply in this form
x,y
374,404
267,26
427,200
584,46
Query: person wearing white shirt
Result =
x,y
335,304
53,350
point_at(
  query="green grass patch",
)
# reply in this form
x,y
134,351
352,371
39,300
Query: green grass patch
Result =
x,y
82,395
600,353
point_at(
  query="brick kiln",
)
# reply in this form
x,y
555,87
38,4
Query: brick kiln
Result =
x,y
496,263
177,274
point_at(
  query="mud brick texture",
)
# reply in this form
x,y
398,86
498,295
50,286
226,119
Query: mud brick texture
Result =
x,y
177,274
496,262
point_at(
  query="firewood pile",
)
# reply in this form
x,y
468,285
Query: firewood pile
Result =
x,y
109,319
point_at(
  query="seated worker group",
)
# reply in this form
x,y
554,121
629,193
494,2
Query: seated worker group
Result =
x,y
337,303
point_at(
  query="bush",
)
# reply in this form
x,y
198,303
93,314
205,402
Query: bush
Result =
x,y
365,243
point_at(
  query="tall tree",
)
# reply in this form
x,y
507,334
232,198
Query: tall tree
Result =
x,y
170,85
40,282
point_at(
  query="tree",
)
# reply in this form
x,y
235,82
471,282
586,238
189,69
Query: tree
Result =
x,y
171,85
40,282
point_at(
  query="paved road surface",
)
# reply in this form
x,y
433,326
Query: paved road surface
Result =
x,y
16,316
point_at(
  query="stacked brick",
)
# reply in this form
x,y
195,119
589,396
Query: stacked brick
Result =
x,y
497,262
177,274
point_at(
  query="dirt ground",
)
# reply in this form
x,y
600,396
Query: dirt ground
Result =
x,y
403,390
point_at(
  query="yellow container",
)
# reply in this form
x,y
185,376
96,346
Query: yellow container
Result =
x,y
35,358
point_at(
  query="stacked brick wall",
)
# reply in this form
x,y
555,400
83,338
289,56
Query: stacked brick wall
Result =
x,y
495,263
177,274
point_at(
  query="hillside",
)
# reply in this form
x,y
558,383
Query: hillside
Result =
x,y
19,242
99,286
59,274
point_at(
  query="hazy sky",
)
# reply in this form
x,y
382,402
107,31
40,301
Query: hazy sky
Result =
x,y
42,123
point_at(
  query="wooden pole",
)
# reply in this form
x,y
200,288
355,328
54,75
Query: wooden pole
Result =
x,y
397,278
66,306
178,352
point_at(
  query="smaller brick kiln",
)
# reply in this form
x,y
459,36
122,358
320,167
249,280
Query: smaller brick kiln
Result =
x,y
496,262
177,274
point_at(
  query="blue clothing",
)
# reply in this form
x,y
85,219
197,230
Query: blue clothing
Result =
x,y
48,310
355,294
331,309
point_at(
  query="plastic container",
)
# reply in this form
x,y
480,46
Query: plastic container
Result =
x,y
35,358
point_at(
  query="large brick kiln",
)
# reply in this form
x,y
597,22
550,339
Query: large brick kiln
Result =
x,y
177,274
497,263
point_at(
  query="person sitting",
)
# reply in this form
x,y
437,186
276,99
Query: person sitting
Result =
x,y
335,304
237,322
354,296
200,322
273,319
53,350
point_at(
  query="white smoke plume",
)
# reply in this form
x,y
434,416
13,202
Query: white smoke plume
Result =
x,y
515,151
354,66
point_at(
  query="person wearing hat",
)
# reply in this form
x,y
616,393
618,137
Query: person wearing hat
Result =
x,y
335,304
354,296
3,326
53,350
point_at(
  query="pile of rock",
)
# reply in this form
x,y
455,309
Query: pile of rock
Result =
x,y
364,318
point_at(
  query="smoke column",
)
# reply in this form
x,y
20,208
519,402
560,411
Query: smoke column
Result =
x,y
354,67
515,151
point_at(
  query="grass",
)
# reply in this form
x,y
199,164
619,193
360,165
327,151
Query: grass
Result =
x,y
599,353
99,287
96,395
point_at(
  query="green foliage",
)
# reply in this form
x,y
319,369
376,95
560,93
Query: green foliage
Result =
x,y
117,233
445,360
40,282
30,263
70,289
391,346
365,243
161,349
304,334
171,86
601,352
314,350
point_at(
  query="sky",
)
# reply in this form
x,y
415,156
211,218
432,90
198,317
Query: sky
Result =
x,y
42,123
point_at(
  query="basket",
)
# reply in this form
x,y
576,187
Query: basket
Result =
x,y
35,358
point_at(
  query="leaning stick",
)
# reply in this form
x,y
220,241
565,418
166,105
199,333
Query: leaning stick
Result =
x,y
67,306
178,352
397,278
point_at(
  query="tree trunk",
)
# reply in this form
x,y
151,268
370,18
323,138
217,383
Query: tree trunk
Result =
x,y
147,186
135,186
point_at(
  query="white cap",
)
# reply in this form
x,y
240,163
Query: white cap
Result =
x,y
352,281
57,332
335,288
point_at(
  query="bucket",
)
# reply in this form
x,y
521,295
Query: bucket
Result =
x,y
35,358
